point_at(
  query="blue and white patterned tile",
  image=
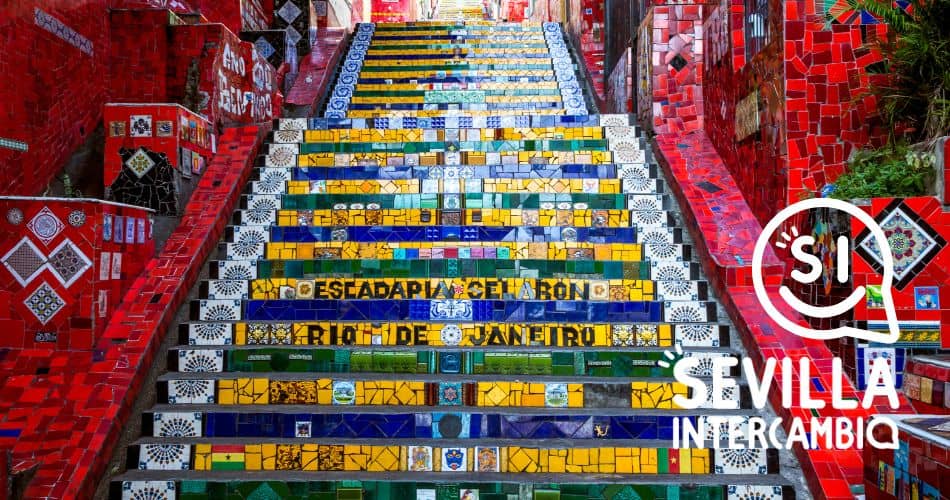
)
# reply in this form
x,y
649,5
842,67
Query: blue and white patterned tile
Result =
x,y
200,360
740,461
163,456
210,334
176,424
237,270
219,310
288,136
292,124
151,490
685,312
696,335
227,289
754,492
191,391
677,290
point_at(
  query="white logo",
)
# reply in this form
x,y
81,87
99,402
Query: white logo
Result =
x,y
814,262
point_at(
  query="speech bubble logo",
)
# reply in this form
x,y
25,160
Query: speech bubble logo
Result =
x,y
825,311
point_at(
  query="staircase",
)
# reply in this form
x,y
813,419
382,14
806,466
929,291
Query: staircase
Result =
x,y
455,284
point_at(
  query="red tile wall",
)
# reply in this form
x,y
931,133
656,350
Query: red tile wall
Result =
x,y
197,140
935,273
238,15
827,113
139,55
757,162
218,53
89,297
812,106
927,384
52,92
919,468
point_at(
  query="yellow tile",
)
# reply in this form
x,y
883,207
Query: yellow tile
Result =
x,y
354,459
202,457
226,392
685,461
252,457
269,457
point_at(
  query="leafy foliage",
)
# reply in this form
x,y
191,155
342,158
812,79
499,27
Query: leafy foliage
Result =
x,y
892,171
914,91
912,88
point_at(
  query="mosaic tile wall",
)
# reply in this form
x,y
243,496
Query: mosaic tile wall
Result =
x,y
237,15
63,410
46,40
138,56
919,468
585,24
66,264
676,68
719,193
429,490
797,108
236,84
46,115
918,231
296,17
927,383
154,154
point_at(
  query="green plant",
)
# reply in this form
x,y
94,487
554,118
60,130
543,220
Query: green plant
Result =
x,y
896,170
913,90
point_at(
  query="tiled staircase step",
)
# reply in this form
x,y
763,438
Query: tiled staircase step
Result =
x,y
257,422
272,180
453,310
389,390
510,201
430,485
377,359
664,264
627,457
653,245
521,336
459,288
426,186
301,125
489,217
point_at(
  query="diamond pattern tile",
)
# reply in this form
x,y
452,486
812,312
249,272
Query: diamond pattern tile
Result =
x,y
44,303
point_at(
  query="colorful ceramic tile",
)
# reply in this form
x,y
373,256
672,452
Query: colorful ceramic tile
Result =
x,y
454,459
450,393
420,458
926,297
912,240
487,459
140,125
344,392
